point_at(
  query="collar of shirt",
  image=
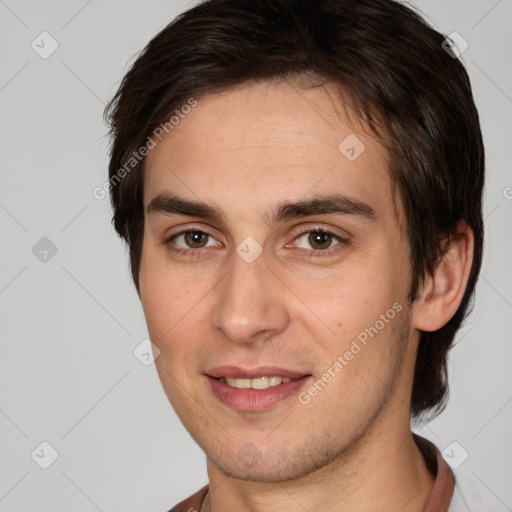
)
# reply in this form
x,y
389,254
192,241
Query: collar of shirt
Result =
x,y
442,492
439,500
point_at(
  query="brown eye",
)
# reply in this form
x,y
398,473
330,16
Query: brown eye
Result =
x,y
320,240
317,240
196,239
190,242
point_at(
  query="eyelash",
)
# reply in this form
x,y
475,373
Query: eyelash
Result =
x,y
314,253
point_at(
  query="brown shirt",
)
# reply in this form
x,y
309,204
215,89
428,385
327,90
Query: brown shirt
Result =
x,y
439,500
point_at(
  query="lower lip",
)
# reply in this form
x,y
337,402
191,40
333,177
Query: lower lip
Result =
x,y
255,399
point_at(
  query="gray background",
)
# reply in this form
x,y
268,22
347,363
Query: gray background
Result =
x,y
69,325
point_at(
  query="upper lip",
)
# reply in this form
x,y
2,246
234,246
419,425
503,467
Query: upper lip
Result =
x,y
252,373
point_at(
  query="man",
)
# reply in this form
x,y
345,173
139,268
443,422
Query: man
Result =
x,y
300,187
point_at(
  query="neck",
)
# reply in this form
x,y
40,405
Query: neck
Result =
x,y
385,471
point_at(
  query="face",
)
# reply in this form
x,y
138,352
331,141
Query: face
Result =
x,y
272,252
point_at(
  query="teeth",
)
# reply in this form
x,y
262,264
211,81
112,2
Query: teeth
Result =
x,y
274,381
260,383
257,383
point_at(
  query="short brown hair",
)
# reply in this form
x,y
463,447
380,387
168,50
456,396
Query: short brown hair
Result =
x,y
398,76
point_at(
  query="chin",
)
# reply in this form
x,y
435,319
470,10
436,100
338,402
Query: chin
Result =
x,y
285,466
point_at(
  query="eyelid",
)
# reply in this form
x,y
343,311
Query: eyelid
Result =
x,y
188,229
301,231
319,253
344,236
211,241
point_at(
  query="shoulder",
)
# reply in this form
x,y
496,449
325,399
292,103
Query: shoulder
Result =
x,y
192,503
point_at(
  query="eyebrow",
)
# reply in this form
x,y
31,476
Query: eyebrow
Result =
x,y
335,203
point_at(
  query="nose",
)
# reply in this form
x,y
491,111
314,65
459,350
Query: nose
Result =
x,y
251,302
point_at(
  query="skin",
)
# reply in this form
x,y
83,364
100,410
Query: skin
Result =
x,y
245,151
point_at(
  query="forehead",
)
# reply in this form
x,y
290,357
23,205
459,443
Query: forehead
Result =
x,y
267,143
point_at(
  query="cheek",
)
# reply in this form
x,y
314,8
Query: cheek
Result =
x,y
174,305
162,295
343,304
362,361
166,310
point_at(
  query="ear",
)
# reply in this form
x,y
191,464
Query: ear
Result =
x,y
442,292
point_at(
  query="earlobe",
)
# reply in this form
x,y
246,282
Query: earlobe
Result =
x,y
443,291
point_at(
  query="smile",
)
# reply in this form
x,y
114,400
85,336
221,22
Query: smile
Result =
x,y
257,383
255,389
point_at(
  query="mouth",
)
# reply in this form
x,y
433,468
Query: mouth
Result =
x,y
257,383
257,389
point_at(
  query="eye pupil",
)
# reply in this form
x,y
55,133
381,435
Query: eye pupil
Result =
x,y
319,239
196,238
